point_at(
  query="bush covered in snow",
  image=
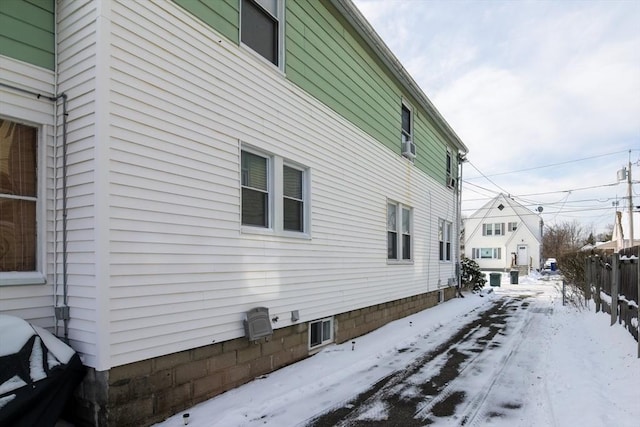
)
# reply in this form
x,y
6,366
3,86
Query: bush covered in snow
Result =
x,y
471,274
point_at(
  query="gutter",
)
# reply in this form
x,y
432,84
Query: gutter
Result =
x,y
351,13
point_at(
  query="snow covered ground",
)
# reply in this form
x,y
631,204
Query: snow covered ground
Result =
x,y
568,368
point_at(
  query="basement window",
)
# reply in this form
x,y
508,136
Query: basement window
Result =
x,y
320,332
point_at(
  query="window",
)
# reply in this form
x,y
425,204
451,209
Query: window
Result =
x,y
266,179
493,229
486,253
448,164
399,228
512,226
18,197
255,190
260,27
406,124
444,239
293,202
320,332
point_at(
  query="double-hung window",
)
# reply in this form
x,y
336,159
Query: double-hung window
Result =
x,y
444,239
274,194
399,232
496,229
407,124
293,198
19,260
512,226
261,28
255,190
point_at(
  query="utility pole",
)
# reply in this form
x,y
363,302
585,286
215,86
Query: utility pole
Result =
x,y
629,192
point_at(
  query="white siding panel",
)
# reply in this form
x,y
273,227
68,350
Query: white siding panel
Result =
x,y
182,273
76,41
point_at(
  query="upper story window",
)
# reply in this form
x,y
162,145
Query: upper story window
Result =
x,y
407,124
18,202
399,230
496,229
512,226
406,134
448,164
261,28
274,193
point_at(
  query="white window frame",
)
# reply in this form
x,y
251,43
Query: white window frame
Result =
x,y
279,16
275,166
399,233
512,226
406,136
449,165
493,229
37,276
324,340
445,247
495,253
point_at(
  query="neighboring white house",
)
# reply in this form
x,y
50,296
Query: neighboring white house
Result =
x,y
172,169
502,235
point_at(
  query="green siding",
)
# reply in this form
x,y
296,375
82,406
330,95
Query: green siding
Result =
x,y
27,31
222,15
328,59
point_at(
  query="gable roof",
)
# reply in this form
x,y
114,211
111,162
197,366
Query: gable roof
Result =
x,y
487,212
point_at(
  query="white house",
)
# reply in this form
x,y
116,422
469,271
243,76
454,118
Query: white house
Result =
x,y
502,235
197,192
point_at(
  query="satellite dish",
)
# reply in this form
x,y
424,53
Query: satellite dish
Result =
x,y
540,209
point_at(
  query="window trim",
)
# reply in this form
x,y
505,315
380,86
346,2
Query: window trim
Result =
x,y
406,106
323,341
37,276
496,253
445,240
493,229
399,233
280,19
275,178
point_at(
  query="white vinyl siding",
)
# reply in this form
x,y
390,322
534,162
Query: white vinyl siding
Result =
x,y
182,271
159,110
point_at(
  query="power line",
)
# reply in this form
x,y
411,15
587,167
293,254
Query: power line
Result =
x,y
549,166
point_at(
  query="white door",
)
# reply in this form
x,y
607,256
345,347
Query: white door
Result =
x,y
523,255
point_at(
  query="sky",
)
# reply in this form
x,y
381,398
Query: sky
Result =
x,y
562,365
545,94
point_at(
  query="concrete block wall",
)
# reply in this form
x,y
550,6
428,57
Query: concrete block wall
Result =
x,y
148,391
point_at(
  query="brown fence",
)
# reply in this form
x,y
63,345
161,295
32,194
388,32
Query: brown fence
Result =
x,y
613,279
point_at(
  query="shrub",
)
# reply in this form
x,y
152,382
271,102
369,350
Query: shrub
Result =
x,y
471,274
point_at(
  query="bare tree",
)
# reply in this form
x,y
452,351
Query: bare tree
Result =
x,y
561,238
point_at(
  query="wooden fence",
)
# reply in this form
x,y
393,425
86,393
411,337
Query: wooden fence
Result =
x,y
614,281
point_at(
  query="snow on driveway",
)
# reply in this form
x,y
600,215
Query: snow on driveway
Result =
x,y
524,360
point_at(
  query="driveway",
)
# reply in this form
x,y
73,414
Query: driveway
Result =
x,y
476,376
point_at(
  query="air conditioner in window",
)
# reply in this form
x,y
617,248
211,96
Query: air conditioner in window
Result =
x,y
451,182
409,149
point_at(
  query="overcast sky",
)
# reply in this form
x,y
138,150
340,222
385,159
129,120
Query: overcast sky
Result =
x,y
528,84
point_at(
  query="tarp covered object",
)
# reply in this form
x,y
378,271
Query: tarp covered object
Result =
x,y
38,374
